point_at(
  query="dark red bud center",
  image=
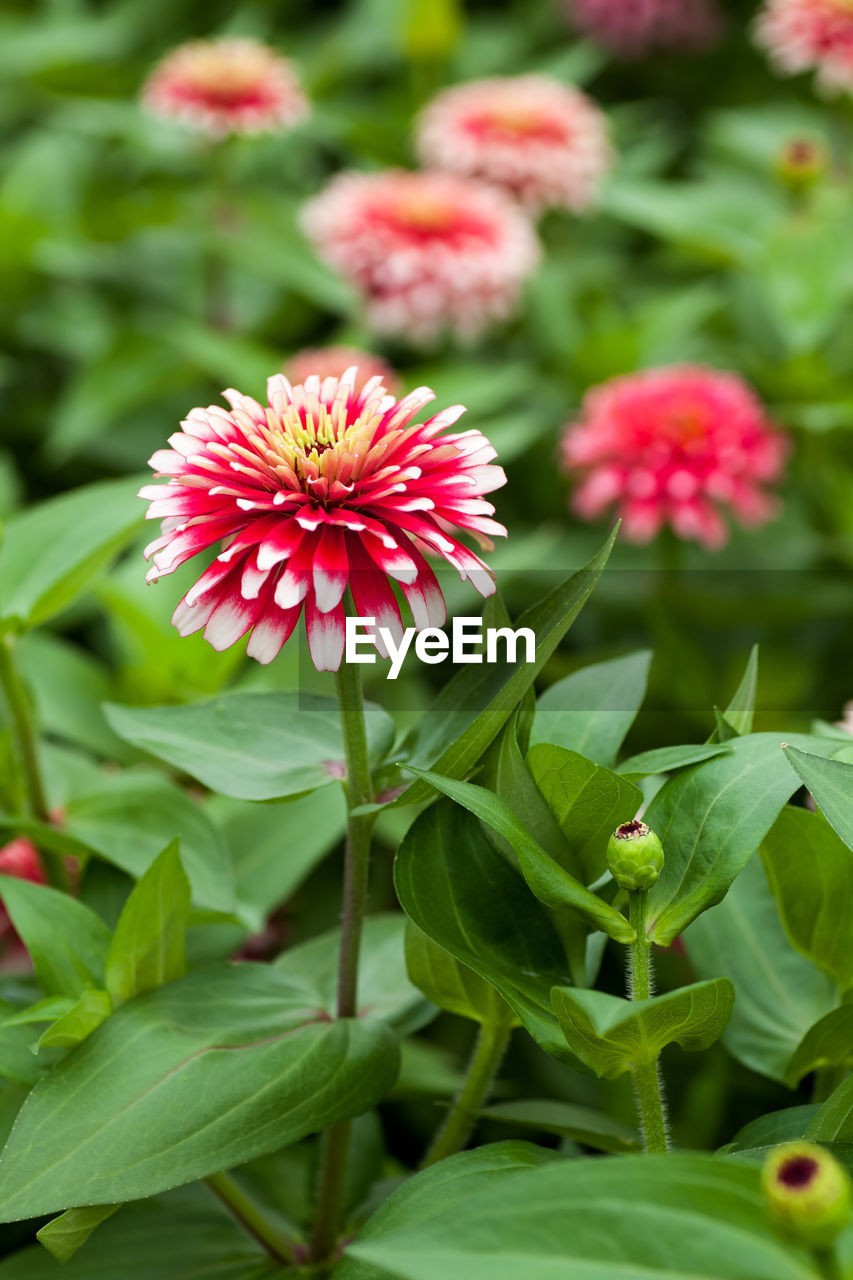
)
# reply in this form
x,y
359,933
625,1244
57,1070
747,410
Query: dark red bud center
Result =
x,y
798,1172
630,829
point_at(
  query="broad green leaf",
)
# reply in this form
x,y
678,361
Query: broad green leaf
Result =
x,y
834,1120
450,984
668,759
221,1066
711,818
739,715
91,1009
551,884
251,746
611,1035
384,989
778,993
588,801
68,943
811,874
18,1063
423,1200
676,1216
51,552
184,1235
829,1043
591,710
148,947
768,1131
473,707
566,1120
129,818
63,1236
457,888
68,685
831,784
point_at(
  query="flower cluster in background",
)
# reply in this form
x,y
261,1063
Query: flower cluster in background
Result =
x,y
810,35
633,28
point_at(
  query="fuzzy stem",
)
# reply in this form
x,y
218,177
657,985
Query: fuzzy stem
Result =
x,y
249,1215
26,746
489,1049
357,864
648,1085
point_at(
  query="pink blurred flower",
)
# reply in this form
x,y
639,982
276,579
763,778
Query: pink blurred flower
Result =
x,y
323,489
226,86
671,446
333,362
805,35
542,141
19,858
428,251
633,28
846,721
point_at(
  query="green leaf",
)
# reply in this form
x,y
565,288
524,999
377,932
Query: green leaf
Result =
x,y
834,1120
566,1120
90,1010
815,906
612,1036
551,884
217,1068
711,818
69,1232
831,784
457,888
68,943
778,993
47,1010
768,1131
51,552
472,708
740,713
591,710
829,1043
384,989
422,1201
148,947
450,984
677,1216
588,801
251,746
668,759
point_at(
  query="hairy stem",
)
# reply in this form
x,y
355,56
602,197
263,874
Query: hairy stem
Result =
x,y
648,1085
249,1215
26,748
489,1049
356,868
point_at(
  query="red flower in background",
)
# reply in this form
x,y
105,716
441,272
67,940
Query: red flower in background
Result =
x,y
429,252
321,489
544,142
805,35
333,362
19,858
671,447
636,27
226,86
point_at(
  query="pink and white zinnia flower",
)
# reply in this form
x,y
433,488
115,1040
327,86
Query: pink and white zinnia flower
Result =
x,y
671,446
429,252
322,489
806,35
226,86
633,28
543,142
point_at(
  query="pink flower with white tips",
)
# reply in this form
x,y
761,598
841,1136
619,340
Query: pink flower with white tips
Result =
x,y
807,35
543,142
321,490
670,447
226,86
633,28
429,252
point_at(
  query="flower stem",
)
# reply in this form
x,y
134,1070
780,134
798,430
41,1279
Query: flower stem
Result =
x,y
249,1215
648,1086
828,1264
359,791
25,740
492,1040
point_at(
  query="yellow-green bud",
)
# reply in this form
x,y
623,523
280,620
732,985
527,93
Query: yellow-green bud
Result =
x,y
634,856
801,163
808,1193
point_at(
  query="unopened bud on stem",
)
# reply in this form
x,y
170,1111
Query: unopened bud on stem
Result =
x,y
634,856
808,1193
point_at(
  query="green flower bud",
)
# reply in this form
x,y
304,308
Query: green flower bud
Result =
x,y
808,1193
801,163
634,856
